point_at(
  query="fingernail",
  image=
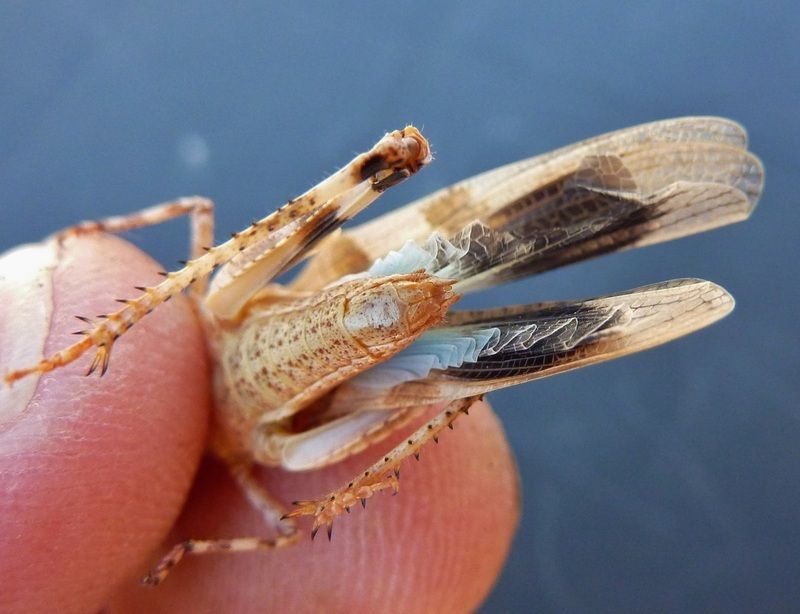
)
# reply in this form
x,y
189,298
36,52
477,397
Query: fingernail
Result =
x,y
26,310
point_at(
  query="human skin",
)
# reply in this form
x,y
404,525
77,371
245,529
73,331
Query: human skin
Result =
x,y
95,475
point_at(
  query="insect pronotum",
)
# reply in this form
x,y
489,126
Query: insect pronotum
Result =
x,y
365,333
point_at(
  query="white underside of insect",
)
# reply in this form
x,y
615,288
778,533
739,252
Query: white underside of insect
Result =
x,y
310,373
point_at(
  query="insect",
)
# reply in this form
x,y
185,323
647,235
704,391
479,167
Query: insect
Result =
x,y
364,337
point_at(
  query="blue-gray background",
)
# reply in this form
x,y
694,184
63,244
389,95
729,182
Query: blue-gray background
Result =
x,y
666,481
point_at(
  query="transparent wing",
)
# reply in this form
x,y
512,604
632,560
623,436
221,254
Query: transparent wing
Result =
x,y
630,188
502,347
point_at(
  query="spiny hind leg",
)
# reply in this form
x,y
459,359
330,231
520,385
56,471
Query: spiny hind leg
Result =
x,y
105,329
382,475
201,234
271,511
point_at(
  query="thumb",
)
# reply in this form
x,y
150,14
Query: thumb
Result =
x,y
93,472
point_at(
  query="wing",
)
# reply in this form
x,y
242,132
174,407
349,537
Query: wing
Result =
x,y
479,351
630,188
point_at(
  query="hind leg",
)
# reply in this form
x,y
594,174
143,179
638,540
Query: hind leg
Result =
x,y
103,333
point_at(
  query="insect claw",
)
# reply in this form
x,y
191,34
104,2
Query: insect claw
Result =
x,y
330,530
364,503
182,262
94,365
314,533
84,319
347,509
396,474
416,455
102,316
122,300
106,360
466,411
162,273
450,426
435,439
80,332
140,288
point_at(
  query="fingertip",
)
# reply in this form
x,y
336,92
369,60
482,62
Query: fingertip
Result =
x,y
95,469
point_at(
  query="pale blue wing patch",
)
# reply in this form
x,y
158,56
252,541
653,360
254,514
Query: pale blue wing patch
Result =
x,y
444,348
431,257
436,349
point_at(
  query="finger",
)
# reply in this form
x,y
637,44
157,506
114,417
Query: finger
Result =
x,y
93,471
437,546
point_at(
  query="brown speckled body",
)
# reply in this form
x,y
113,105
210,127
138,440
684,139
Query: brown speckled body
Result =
x,y
290,350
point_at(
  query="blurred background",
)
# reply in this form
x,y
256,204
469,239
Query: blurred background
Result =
x,y
664,481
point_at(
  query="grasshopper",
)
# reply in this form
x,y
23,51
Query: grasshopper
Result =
x,y
364,338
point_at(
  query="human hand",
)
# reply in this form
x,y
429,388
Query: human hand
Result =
x,y
95,472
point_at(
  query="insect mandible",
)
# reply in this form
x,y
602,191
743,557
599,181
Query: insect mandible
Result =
x,y
364,336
